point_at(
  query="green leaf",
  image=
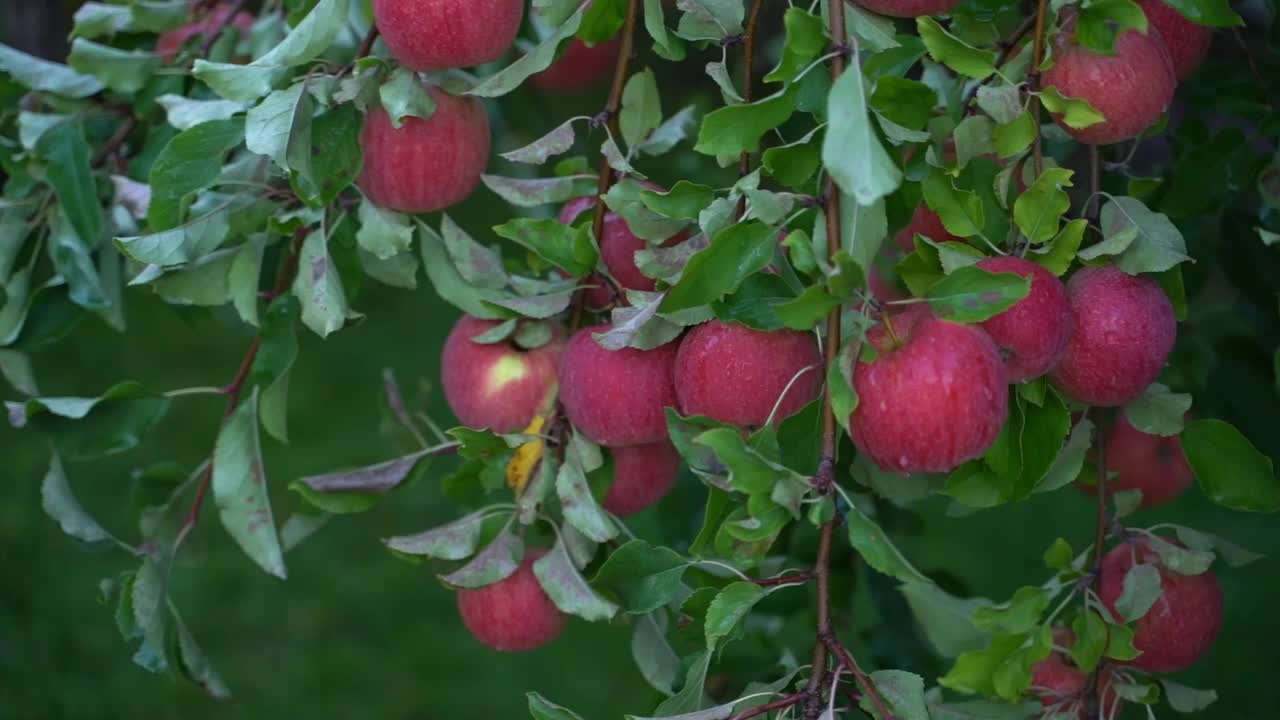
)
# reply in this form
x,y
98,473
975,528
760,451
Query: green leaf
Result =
x,y
960,210
580,507
877,550
805,39
1062,251
559,577
44,76
1010,139
404,95
543,709
851,151
1179,559
641,108
906,102
975,671
1217,13
626,198
672,130
67,153
497,561
972,295
689,699
735,253
946,620
901,691
73,262
736,129
793,164
1003,102
710,19
449,284
330,158
1229,468
953,52
280,123
456,540
645,577
558,244
318,287
89,428
1140,591
1090,640
730,606
665,44
1231,554
1185,699
1120,643
1158,411
537,60
534,192
1020,615
652,653
60,504
556,142
124,71
684,201
203,282
1101,22
383,233
1039,210
1075,112
191,161
1157,244
185,113
240,488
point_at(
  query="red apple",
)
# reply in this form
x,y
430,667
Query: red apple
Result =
x,y
425,165
1062,686
617,397
927,223
1124,330
442,34
580,66
1131,89
1187,42
170,42
882,287
642,475
513,614
738,375
932,399
1150,463
497,386
1032,335
909,8
618,248
1183,623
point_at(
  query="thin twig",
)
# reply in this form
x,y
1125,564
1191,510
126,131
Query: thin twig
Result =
x,y
116,140
366,47
1007,46
748,75
1037,57
211,36
1095,184
795,577
758,710
864,681
1094,688
1248,56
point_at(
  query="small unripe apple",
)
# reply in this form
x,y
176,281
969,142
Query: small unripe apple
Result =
x,y
425,165
909,8
1187,42
1032,335
642,475
513,614
1183,623
497,386
933,398
618,248
170,42
1063,686
927,223
1141,461
1124,330
580,66
617,397
442,34
738,375
1131,89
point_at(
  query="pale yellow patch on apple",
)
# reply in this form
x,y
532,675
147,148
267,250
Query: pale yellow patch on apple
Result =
x,y
509,369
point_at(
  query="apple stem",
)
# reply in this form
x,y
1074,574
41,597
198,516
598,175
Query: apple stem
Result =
x,y
1007,46
366,47
1037,57
1095,184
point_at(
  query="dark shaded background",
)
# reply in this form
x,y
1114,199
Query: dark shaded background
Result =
x,y
356,633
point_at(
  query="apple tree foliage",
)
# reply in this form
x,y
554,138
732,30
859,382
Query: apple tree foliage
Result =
x,y
225,179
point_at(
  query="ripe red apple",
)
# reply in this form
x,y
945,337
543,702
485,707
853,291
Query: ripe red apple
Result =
x,y
909,8
1124,330
617,397
618,248
1131,89
737,375
425,165
1184,622
930,400
513,614
1032,335
580,66
1060,685
441,34
497,386
170,42
642,475
1150,463
925,222
1187,42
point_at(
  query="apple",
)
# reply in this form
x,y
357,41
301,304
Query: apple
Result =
x,y
1131,89
513,614
618,248
1124,330
1033,334
642,475
1187,42
170,43
909,8
499,385
580,66
1062,686
738,375
442,34
425,165
617,397
927,223
1183,623
1141,461
934,396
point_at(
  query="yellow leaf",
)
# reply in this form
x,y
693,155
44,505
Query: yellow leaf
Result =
x,y
526,457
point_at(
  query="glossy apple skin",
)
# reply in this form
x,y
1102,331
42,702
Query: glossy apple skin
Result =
x,y
497,386
1184,622
579,67
1153,464
618,248
617,397
513,614
1033,334
1124,330
1131,89
909,8
441,34
425,165
642,475
927,223
170,42
932,403
1187,42
736,375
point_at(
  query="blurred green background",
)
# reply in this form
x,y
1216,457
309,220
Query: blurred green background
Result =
x,y
357,633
